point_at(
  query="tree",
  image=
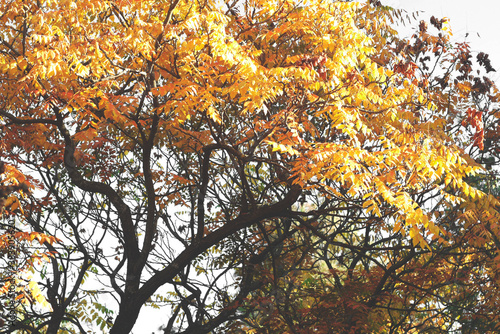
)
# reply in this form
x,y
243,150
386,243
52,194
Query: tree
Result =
x,y
449,287
215,158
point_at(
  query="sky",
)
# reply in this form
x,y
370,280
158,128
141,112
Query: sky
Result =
x,y
478,18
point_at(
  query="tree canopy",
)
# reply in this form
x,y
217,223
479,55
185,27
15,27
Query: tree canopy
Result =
x,y
247,166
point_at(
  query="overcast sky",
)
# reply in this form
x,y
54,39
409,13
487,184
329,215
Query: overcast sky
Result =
x,y
478,18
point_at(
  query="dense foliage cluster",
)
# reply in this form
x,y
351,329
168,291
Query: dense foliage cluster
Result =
x,y
247,166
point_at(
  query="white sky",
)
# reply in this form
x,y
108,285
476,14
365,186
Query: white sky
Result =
x,y
478,18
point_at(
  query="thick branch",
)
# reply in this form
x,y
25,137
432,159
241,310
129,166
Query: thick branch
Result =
x,y
131,306
231,227
131,247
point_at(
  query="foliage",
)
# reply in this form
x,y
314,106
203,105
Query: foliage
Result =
x,y
257,165
17,259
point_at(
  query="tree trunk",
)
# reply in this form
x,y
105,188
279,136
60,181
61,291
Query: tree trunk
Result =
x,y
127,316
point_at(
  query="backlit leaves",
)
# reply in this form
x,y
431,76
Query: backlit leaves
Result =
x,y
167,125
